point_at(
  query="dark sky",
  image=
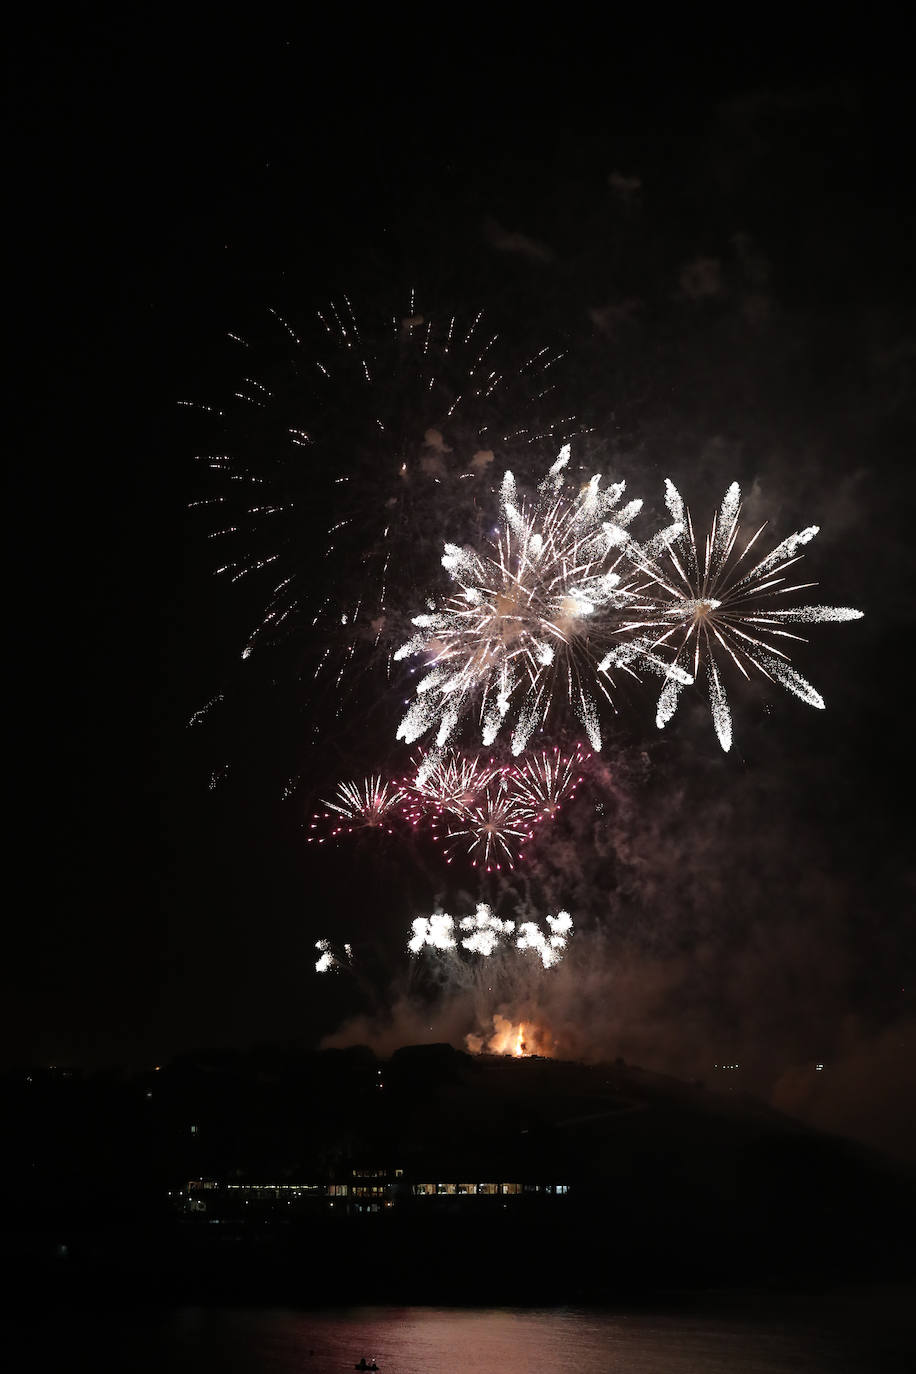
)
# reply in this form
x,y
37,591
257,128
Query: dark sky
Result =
x,y
718,230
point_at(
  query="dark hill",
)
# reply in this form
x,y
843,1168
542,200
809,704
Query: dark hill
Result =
x,y
599,1179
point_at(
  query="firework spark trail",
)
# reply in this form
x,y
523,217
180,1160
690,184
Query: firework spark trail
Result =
x,y
198,716
534,621
708,606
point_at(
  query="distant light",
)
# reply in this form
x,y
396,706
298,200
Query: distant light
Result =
x,y
818,1067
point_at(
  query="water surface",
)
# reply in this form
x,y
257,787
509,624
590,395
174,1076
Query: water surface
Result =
x,y
747,1336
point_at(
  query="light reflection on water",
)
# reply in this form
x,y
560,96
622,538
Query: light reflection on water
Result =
x,y
808,1337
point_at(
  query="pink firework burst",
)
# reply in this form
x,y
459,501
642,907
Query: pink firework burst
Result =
x,y
373,804
492,831
446,780
545,781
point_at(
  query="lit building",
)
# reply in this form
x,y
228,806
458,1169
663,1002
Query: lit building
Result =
x,y
366,1189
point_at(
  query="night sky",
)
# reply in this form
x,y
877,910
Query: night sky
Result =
x,y
718,233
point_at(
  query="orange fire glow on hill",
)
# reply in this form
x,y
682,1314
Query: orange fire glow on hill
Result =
x,y
517,1038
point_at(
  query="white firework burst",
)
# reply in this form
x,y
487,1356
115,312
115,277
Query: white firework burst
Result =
x,y
486,934
436,932
714,605
551,947
533,620
392,425
330,961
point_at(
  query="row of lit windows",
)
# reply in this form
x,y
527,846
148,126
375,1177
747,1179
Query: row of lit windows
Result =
x,y
379,1190
276,1188
483,1189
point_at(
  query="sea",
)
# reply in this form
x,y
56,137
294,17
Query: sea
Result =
x,y
764,1334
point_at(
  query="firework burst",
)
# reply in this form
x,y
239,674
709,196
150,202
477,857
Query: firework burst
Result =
x,y
714,605
485,934
550,947
544,781
330,960
449,781
533,622
373,804
484,810
492,830
342,461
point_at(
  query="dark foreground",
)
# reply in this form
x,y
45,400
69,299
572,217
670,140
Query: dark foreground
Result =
x,y
535,1257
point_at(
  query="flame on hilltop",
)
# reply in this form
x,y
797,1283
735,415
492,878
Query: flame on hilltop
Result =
x,y
520,1039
